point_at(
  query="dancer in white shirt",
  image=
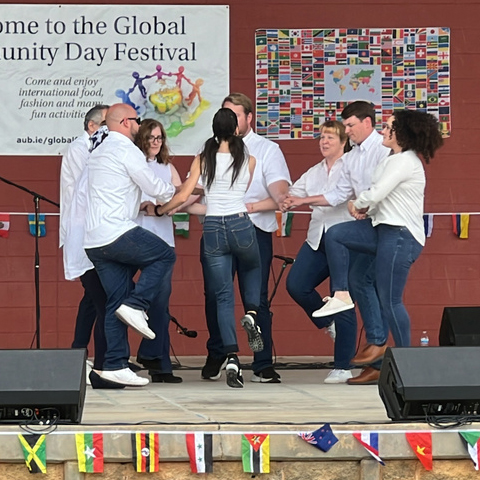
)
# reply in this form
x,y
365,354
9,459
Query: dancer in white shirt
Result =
x,y
394,230
225,170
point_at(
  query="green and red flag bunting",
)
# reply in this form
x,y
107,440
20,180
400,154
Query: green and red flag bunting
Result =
x,y
89,452
200,451
35,452
471,441
256,453
145,452
421,443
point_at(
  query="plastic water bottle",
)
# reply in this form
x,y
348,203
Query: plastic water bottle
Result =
x,y
424,340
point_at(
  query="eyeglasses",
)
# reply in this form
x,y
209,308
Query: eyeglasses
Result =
x,y
153,139
137,120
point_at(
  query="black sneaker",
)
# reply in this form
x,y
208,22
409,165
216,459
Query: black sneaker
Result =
x,y
267,375
150,364
255,340
212,370
165,378
234,372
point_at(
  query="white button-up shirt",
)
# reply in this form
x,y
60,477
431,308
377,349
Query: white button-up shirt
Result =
x,y
271,167
358,168
118,173
316,181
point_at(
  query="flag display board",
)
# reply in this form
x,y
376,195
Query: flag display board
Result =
x,y
307,76
58,61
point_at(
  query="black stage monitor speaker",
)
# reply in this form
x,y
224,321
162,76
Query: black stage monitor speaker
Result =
x,y
42,386
420,382
460,326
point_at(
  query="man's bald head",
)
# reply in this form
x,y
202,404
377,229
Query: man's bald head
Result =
x,y
121,118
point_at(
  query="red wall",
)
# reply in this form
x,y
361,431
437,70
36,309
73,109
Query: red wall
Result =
x,y
446,274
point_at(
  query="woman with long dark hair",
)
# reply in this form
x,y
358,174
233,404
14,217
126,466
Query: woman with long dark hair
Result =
x,y
225,169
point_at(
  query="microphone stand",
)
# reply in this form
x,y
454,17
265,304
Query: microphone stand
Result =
x,y
36,199
286,261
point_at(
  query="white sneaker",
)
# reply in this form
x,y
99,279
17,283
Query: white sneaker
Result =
x,y
331,331
333,306
137,319
338,376
124,376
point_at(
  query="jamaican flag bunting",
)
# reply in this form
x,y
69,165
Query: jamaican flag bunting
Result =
x,y
89,452
35,452
256,453
145,452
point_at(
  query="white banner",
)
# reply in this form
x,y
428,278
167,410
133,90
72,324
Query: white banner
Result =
x,y
170,62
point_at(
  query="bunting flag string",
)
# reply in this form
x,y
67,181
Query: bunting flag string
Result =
x,y
255,448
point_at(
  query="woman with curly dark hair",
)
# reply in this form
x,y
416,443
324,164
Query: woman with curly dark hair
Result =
x,y
389,222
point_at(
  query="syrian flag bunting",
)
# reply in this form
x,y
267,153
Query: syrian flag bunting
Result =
x,y
199,447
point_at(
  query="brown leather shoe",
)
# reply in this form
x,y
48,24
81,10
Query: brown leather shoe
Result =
x,y
369,354
368,376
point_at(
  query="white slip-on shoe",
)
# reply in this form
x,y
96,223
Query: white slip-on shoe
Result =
x,y
124,376
332,306
338,376
136,319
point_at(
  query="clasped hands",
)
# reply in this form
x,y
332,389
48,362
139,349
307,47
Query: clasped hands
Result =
x,y
357,213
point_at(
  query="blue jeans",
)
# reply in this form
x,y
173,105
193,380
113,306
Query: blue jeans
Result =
x,y
159,322
395,250
306,274
227,239
137,249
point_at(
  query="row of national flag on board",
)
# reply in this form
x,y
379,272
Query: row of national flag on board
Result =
x,y
255,448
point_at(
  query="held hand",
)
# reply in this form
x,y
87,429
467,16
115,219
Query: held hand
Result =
x,y
149,209
144,205
292,202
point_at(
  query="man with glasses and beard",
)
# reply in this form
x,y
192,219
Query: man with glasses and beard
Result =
x,y
117,246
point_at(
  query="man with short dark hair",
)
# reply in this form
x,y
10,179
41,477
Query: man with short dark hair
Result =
x,y
358,167
117,246
271,179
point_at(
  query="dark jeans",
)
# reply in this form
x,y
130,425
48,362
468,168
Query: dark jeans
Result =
x,y
97,297
159,322
306,274
227,241
395,250
215,348
136,249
